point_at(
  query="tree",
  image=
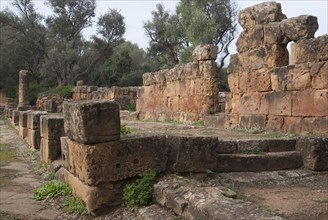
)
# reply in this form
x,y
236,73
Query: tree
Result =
x,y
166,37
124,68
24,35
65,38
209,22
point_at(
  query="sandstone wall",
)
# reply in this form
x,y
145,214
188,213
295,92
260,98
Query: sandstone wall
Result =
x,y
123,96
184,93
267,92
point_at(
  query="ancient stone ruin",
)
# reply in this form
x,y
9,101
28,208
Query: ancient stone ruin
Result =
x,y
266,93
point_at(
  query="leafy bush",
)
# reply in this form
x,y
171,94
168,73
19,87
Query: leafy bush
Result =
x,y
64,91
130,107
141,192
52,189
75,206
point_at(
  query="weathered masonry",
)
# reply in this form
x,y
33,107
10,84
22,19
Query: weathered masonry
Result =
x,y
266,92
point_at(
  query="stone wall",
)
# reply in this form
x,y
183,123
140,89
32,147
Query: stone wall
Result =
x,y
184,93
266,92
123,96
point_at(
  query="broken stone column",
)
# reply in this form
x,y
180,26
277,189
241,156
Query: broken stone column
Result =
x,y
51,129
33,125
23,96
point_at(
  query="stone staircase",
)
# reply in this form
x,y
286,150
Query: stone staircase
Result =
x,y
260,155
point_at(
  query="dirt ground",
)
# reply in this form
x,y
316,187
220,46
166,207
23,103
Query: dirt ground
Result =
x,y
294,194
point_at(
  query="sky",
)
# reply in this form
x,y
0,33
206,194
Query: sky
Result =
x,y
136,12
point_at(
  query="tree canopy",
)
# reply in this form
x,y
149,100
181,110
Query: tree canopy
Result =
x,y
53,48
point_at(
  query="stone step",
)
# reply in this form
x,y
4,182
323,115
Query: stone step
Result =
x,y
266,145
194,200
155,212
259,162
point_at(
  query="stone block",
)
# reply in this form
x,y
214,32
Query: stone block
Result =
x,y
319,74
216,121
15,117
22,132
50,150
250,39
227,147
279,103
191,154
310,103
98,199
52,127
252,103
205,52
33,139
254,122
64,151
262,13
301,27
273,34
23,119
314,151
117,160
91,122
256,81
284,160
275,123
310,50
33,119
267,56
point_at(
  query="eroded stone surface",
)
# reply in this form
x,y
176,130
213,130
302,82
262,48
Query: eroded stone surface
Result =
x,y
89,122
314,152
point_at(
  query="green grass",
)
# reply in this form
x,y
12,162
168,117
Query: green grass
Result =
x,y
6,154
75,206
198,123
141,192
52,189
283,135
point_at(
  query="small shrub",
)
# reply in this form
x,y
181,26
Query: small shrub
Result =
x,y
65,91
30,155
75,206
198,123
141,192
125,130
52,189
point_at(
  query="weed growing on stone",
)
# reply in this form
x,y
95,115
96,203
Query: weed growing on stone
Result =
x,y
125,130
141,192
75,206
172,122
52,189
